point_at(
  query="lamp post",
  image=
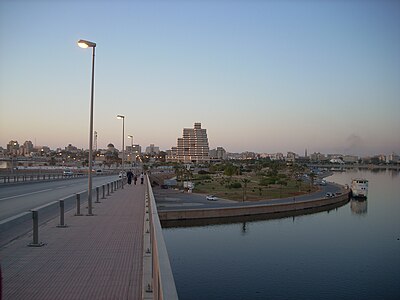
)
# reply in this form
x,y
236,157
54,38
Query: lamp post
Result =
x,y
87,44
131,137
123,141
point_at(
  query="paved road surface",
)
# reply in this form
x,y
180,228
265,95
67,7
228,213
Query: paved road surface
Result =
x,y
18,198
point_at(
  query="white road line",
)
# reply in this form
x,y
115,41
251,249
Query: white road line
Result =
x,y
22,195
61,187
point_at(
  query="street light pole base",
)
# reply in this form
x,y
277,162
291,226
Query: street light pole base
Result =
x,y
36,245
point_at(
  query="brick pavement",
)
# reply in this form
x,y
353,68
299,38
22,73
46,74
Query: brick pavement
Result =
x,y
95,257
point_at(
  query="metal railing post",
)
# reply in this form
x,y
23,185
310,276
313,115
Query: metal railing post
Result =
x,y
97,195
78,205
62,224
35,235
104,192
108,189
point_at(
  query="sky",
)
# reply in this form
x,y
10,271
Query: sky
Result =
x,y
262,76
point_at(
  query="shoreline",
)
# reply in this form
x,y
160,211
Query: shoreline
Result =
x,y
292,204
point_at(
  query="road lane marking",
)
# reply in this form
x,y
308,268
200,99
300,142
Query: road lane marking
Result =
x,y
61,187
27,194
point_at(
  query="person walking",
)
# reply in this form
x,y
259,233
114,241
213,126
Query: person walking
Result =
x,y
141,178
135,179
129,174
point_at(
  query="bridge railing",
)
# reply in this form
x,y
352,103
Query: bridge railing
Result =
x,y
158,280
19,178
21,224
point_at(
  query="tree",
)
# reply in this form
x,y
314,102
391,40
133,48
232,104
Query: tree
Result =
x,y
245,182
230,170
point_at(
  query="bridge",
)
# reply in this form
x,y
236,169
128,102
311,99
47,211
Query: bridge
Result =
x,y
116,253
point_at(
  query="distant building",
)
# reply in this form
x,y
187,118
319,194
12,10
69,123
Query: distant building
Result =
x,y
71,149
12,148
393,158
350,159
318,157
152,150
191,147
291,156
27,148
218,154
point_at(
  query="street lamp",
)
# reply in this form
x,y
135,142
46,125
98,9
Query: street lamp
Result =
x,y
87,44
131,137
123,140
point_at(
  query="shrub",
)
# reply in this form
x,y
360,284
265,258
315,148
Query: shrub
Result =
x,y
235,185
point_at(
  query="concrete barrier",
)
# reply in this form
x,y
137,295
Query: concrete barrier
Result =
x,y
158,280
248,210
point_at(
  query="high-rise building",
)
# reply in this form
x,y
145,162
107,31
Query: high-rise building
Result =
x,y
13,148
191,147
152,150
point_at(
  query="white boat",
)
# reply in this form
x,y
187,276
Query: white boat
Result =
x,y
359,187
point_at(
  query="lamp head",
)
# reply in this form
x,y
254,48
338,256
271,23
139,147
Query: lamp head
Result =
x,y
86,44
120,117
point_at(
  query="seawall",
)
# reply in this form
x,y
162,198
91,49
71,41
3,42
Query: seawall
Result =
x,y
249,210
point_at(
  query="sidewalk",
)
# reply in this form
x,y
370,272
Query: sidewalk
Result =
x,y
95,257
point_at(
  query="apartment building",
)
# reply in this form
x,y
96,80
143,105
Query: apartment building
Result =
x,y
191,147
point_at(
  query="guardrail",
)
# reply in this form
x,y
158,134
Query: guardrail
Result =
x,y
19,224
35,177
21,178
158,280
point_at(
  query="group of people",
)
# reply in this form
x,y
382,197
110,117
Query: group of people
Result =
x,y
130,175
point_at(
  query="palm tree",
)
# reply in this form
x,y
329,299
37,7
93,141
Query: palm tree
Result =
x,y
245,182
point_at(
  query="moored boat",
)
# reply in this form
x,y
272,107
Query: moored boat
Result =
x,y
359,188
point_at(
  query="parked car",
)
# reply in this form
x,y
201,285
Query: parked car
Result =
x,y
329,195
211,198
68,173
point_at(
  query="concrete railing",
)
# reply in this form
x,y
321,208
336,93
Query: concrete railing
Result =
x,y
158,280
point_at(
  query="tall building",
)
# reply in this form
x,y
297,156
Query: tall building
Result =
x,y
191,147
152,150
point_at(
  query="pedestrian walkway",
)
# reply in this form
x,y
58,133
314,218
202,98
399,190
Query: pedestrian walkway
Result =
x,y
95,257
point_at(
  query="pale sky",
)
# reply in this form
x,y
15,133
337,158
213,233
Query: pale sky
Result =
x,y
263,76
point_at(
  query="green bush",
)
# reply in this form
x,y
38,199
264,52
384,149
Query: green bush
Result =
x,y
235,185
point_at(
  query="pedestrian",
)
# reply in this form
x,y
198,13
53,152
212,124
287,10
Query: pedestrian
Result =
x,y
129,174
135,179
141,178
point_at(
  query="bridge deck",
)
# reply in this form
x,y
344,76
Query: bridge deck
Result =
x,y
95,257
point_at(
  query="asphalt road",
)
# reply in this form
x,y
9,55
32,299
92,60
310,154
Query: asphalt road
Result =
x,y
18,198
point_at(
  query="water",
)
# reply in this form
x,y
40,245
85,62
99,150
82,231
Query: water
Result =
x,y
350,252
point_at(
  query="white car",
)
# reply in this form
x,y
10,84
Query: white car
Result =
x,y
68,173
211,198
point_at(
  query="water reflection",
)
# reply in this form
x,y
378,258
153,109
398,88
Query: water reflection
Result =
x,y
328,253
358,206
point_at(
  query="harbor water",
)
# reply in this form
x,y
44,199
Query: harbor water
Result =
x,y
346,252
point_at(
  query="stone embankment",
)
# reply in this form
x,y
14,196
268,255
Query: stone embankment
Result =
x,y
287,205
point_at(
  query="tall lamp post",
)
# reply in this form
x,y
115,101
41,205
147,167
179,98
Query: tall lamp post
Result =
x,y
87,44
131,137
123,141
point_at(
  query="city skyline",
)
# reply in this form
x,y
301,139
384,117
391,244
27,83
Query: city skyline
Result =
x,y
259,76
